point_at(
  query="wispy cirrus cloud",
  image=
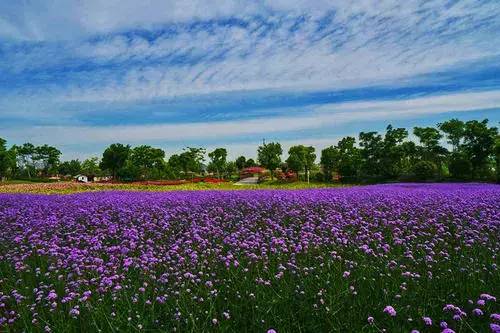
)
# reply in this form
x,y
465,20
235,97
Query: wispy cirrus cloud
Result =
x,y
70,65
228,48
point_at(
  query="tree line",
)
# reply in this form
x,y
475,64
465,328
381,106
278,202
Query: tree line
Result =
x,y
471,152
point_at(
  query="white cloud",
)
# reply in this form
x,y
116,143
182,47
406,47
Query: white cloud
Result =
x,y
292,46
324,116
53,19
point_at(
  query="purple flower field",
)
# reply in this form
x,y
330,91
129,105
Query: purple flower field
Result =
x,y
394,258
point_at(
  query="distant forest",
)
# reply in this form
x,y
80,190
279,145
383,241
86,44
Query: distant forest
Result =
x,y
453,150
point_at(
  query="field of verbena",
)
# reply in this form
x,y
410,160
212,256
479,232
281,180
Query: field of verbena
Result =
x,y
400,258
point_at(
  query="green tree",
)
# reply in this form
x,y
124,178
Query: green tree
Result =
x,y
294,162
329,161
250,163
129,171
454,130
189,161
479,143
349,158
301,158
430,149
175,165
114,158
429,139
90,167
218,161
71,168
47,158
372,146
393,152
459,166
25,157
409,156
230,169
147,160
269,156
497,157
241,162
7,159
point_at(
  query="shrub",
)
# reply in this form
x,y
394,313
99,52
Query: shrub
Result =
x,y
424,170
320,177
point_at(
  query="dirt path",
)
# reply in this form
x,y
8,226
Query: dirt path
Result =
x,y
248,181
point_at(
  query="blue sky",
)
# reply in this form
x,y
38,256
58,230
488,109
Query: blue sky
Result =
x,y
83,74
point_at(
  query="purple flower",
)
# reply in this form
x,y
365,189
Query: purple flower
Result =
x,y
477,312
447,330
390,311
52,296
488,297
194,246
495,328
74,312
271,331
450,307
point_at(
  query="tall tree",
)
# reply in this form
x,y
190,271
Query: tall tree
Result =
x,y
348,159
114,158
269,156
175,165
329,161
240,162
230,169
71,168
454,130
294,162
393,152
429,139
218,159
147,159
48,158
7,159
430,149
497,157
371,144
479,143
250,163
90,167
190,160
25,157
301,158
459,164
409,156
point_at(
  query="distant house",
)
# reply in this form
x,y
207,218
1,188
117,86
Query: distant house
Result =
x,y
81,178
